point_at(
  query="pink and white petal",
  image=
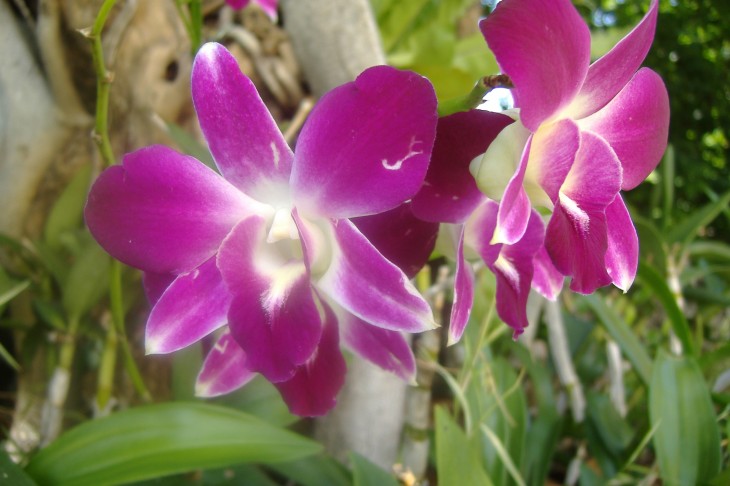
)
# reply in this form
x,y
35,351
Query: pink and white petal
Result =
x,y
449,193
594,178
544,47
552,153
162,211
224,369
386,349
463,294
622,255
609,74
312,391
370,136
269,6
367,285
193,306
155,285
577,242
242,136
273,316
401,237
636,125
546,279
515,207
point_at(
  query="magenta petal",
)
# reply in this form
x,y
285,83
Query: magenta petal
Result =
x,y
269,6
224,369
192,307
546,279
155,285
387,349
545,48
449,193
273,316
238,4
636,125
243,138
552,153
312,391
400,237
162,211
370,136
463,293
515,207
622,255
363,282
608,75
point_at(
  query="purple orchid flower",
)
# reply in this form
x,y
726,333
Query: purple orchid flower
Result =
x,y
268,6
585,132
450,195
265,256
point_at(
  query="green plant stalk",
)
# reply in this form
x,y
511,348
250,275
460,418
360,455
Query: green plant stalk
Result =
x,y
475,96
476,351
105,378
101,133
196,25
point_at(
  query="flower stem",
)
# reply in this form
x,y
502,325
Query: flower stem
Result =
x,y
475,96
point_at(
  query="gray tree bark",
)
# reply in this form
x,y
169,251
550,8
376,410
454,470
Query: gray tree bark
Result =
x,y
335,40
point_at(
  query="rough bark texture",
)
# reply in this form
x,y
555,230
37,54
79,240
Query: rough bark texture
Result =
x,y
335,40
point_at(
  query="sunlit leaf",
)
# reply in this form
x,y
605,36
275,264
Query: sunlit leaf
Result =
x,y
457,457
687,440
365,473
159,440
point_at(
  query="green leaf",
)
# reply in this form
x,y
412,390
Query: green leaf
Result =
x,y
67,213
686,231
87,281
615,433
457,457
189,145
656,282
687,440
9,288
8,358
159,440
315,471
365,473
623,335
12,474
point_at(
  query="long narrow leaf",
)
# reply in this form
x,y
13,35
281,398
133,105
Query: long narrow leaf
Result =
x,y
686,231
650,277
159,440
623,335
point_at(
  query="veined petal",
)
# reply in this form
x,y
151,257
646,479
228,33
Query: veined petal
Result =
x,y
463,293
401,237
367,285
273,316
449,193
162,211
370,136
312,391
622,255
545,49
224,369
193,306
387,349
546,279
552,152
636,125
242,136
608,75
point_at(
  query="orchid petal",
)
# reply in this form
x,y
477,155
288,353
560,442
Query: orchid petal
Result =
x,y
155,285
162,211
370,136
312,391
622,255
608,75
576,236
449,193
386,349
400,237
193,306
514,208
636,125
463,294
546,279
242,136
553,150
224,369
273,316
269,6
367,285
544,47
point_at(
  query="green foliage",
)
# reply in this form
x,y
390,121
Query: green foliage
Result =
x,y
365,473
457,455
158,440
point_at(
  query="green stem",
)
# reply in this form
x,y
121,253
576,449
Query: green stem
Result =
x,y
196,25
103,85
475,96
476,351
105,378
